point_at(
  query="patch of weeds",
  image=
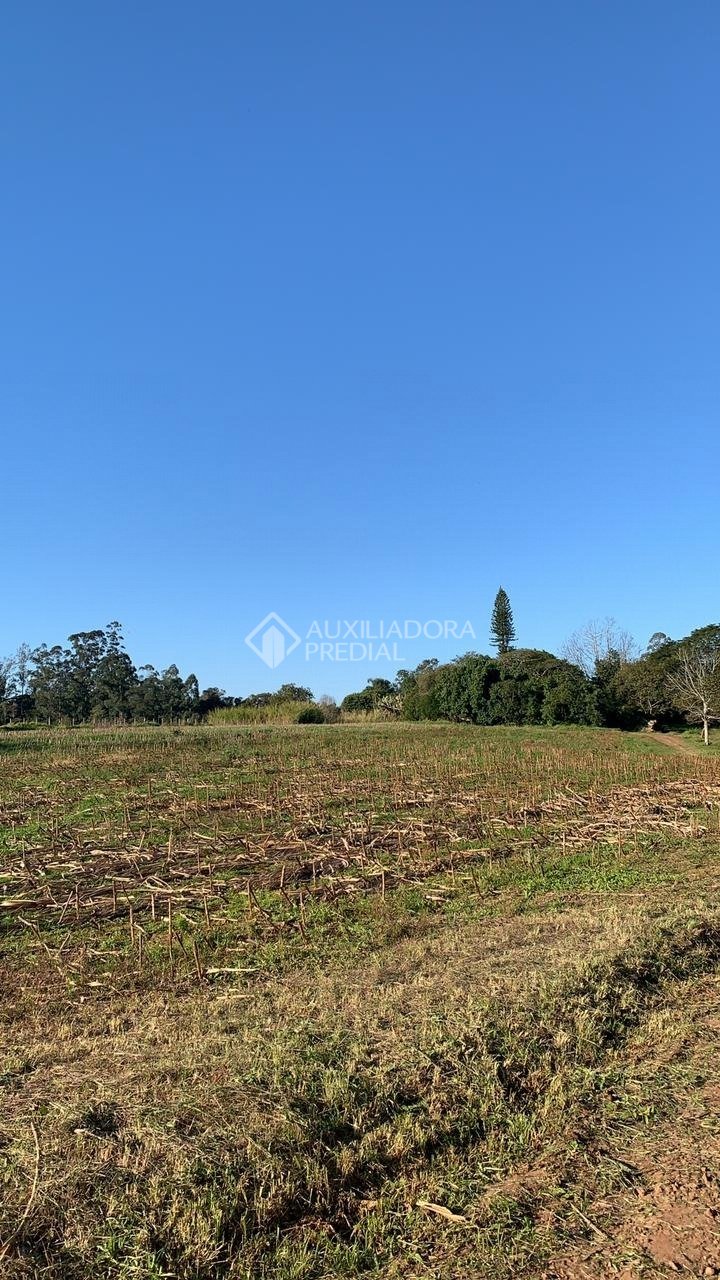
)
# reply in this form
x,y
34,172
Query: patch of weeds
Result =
x,y
13,1068
102,1120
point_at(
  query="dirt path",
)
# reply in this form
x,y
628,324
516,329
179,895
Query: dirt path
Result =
x,y
679,742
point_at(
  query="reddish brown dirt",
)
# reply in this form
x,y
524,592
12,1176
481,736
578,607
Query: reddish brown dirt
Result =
x,y
667,1221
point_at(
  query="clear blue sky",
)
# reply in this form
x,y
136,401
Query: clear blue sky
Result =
x,y
357,310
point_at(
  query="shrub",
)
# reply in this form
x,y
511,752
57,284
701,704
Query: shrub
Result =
x,y
311,715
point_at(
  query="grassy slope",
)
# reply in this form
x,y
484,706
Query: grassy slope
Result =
x,y
423,1076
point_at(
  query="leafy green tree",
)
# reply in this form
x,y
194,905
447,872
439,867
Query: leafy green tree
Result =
x,y
94,678
174,703
113,679
15,699
87,649
461,690
113,684
522,686
360,701
146,700
164,697
416,691
535,687
7,688
380,690
568,696
211,700
376,692
191,698
641,689
510,702
658,641
51,685
607,682
257,700
502,627
22,669
293,693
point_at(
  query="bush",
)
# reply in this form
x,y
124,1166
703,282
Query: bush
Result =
x,y
522,686
311,715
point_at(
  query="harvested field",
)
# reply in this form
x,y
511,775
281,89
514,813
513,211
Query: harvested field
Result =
x,y
345,1001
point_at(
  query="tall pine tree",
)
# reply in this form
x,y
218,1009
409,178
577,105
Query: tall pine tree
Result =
x,y
502,627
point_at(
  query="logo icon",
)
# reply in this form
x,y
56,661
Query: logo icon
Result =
x,y
272,640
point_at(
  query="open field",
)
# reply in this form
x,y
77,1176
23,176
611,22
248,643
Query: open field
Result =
x,y
394,1000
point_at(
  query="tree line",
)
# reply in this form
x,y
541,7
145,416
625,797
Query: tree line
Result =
x,y
600,679
93,678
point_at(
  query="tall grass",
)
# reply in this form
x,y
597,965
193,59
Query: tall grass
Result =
x,y
272,713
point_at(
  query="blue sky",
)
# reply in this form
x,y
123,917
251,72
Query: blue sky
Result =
x,y
357,311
